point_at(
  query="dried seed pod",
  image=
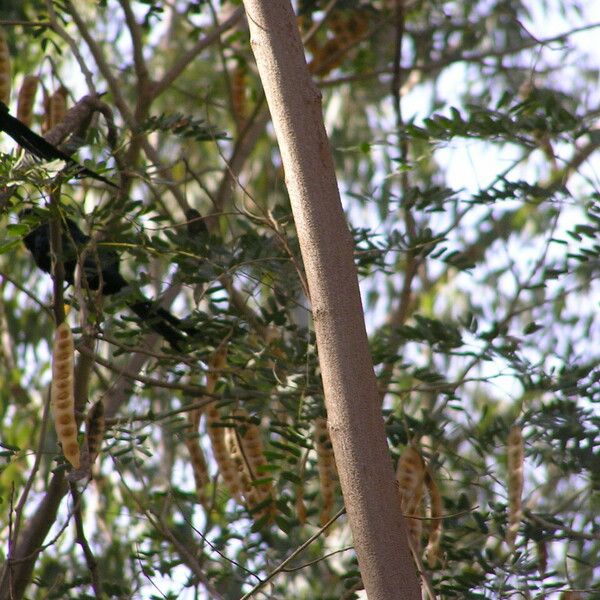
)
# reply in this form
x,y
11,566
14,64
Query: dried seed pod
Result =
x,y
220,451
94,430
5,71
413,509
304,22
515,458
326,469
239,84
327,57
62,395
216,432
357,24
432,550
26,99
199,467
55,108
410,475
217,363
58,106
542,556
250,459
301,511
336,22
244,476
251,440
197,458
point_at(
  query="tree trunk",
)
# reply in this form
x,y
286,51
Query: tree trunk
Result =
x,y
353,408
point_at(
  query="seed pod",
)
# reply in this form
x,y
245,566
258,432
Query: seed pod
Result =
x,y
250,437
542,556
26,99
515,458
199,467
5,76
216,432
432,550
94,430
58,106
336,22
326,468
410,474
413,509
62,395
250,461
238,94
236,455
220,451
301,512
55,108
357,24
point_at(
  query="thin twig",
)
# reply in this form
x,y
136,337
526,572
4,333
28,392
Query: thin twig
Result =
x,y
293,555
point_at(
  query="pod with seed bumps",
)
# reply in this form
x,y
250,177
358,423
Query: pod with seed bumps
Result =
x,y
515,457
62,398
197,459
94,430
5,76
216,433
410,475
435,528
26,99
326,468
55,108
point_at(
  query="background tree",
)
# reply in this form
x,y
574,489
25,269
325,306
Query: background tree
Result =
x,y
464,140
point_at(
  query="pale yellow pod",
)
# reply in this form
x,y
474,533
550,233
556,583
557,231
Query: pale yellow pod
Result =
x,y
58,106
238,94
94,430
216,433
410,475
515,459
199,467
432,550
5,70
326,468
301,512
413,512
55,108
542,556
227,469
241,468
251,440
217,362
197,459
62,395
26,99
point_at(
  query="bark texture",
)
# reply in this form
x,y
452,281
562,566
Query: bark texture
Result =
x,y
355,420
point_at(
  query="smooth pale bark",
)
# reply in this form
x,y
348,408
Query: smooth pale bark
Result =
x,y
353,406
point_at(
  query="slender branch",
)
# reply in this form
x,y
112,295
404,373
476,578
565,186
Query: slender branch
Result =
x,y
141,69
293,555
100,60
73,46
187,57
81,539
19,566
468,57
18,511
